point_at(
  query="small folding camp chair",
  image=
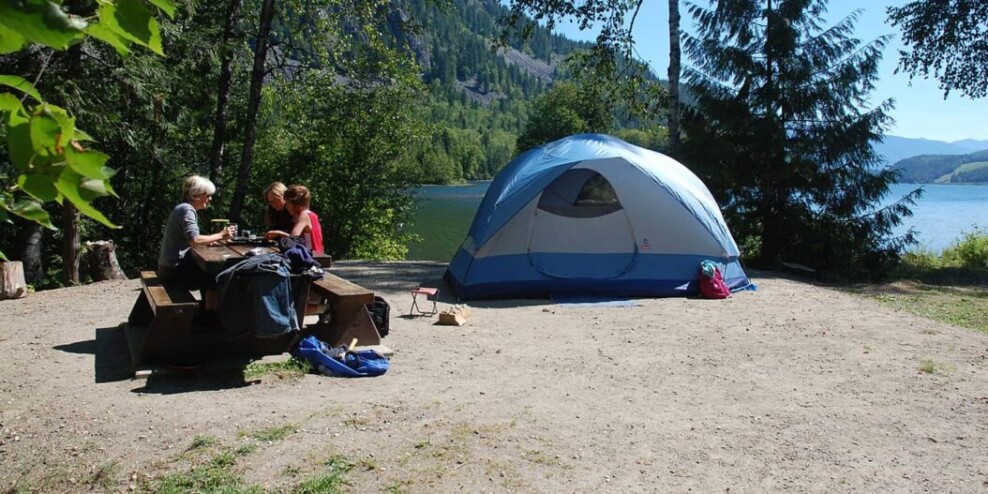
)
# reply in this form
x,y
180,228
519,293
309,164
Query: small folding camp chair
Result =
x,y
430,294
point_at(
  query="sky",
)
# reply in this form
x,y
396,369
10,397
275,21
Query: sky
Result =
x,y
920,108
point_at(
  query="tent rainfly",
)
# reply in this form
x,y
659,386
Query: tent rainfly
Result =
x,y
592,215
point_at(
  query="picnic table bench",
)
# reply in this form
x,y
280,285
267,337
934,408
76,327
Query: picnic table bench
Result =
x,y
343,315
161,321
163,328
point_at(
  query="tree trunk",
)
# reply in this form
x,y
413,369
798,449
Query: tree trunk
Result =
x,y
29,251
674,70
101,261
253,103
70,215
70,244
222,95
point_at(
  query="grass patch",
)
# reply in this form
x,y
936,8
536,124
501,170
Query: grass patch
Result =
x,y
217,476
930,367
224,459
292,368
102,478
209,478
951,286
245,449
200,442
961,306
272,434
330,482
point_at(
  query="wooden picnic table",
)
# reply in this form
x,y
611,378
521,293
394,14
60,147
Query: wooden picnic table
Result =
x,y
163,328
218,256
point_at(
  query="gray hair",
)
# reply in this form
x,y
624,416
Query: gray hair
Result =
x,y
196,186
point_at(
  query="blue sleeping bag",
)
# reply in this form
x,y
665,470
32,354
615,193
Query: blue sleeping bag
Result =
x,y
361,363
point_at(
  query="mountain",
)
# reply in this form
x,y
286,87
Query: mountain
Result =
x,y
958,168
479,98
972,145
895,148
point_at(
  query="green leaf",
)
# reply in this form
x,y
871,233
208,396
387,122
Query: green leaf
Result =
x,y
39,186
9,102
88,163
100,31
91,189
44,134
19,146
66,124
131,20
69,185
31,209
10,41
81,135
165,5
41,21
21,84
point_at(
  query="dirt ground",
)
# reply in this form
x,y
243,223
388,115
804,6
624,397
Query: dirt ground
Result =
x,y
792,387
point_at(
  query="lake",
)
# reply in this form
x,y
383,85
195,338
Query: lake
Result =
x,y
444,213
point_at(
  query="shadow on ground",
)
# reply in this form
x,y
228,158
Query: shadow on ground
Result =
x,y
112,358
112,364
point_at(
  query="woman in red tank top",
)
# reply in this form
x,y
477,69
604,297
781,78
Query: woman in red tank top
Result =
x,y
297,200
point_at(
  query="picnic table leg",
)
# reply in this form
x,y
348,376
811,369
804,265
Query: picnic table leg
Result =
x,y
350,319
137,328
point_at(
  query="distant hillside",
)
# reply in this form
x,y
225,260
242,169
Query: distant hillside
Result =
x,y
963,168
896,148
972,145
454,48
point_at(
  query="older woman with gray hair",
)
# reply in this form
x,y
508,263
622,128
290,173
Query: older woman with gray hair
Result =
x,y
175,265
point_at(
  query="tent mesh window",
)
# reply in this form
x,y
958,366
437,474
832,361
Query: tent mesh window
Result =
x,y
580,193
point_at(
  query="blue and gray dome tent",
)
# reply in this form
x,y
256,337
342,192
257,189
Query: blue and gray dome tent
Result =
x,y
592,215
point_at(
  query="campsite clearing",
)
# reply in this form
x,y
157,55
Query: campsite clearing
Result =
x,y
793,387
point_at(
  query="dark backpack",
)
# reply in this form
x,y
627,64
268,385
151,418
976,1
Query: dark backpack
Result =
x,y
380,313
297,253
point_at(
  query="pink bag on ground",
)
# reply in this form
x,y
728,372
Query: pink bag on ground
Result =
x,y
713,286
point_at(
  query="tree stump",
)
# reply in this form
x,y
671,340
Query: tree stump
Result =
x,y
101,261
12,283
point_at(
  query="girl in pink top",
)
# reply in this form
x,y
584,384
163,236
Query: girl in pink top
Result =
x,y
297,199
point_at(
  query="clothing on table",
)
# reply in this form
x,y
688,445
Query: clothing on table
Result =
x,y
174,263
313,238
278,220
256,298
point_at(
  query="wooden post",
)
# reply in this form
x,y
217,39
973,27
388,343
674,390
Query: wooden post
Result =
x,y
12,283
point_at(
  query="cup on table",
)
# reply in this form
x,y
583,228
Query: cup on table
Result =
x,y
247,234
219,224
233,226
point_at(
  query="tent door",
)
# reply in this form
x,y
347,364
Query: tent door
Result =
x,y
600,247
